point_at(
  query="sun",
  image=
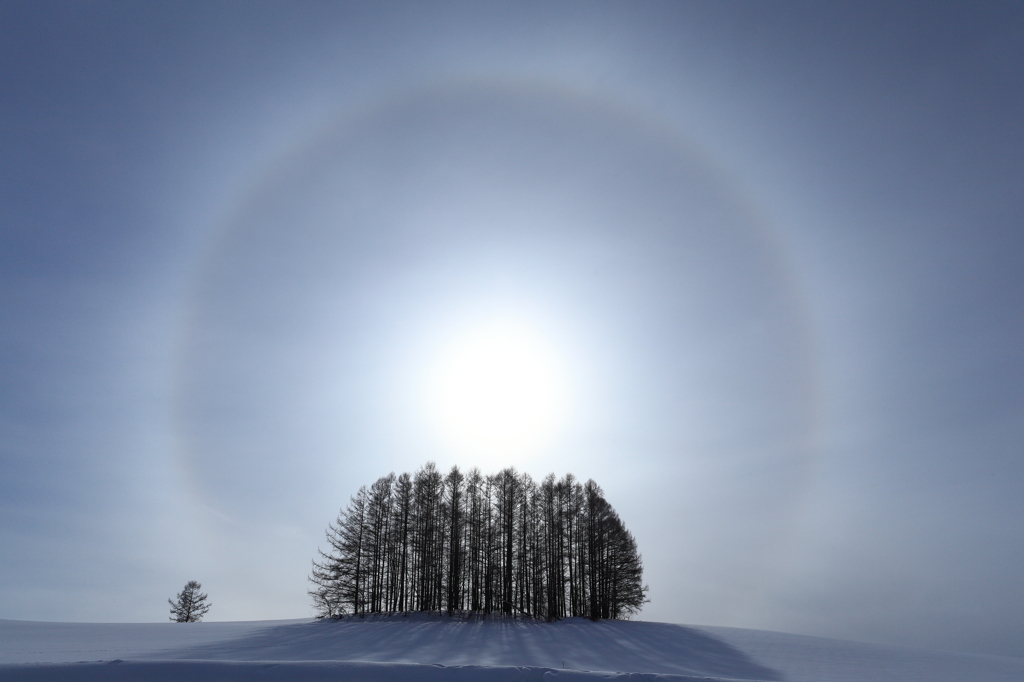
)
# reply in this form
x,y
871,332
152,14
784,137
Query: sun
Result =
x,y
498,389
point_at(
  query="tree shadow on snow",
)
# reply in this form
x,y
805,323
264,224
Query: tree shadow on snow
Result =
x,y
574,643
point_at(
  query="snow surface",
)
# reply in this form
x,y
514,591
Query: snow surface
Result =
x,y
434,648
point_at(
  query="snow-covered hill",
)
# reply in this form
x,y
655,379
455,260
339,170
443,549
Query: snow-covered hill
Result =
x,y
430,648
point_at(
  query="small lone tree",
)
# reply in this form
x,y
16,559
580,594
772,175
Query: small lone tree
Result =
x,y
190,606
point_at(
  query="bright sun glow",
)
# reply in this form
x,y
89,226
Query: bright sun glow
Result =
x,y
498,389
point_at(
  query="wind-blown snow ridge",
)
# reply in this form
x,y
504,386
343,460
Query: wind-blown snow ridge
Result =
x,y
433,648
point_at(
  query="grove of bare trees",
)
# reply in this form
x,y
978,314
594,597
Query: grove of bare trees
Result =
x,y
469,543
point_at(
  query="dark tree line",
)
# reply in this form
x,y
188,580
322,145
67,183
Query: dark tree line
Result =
x,y
468,543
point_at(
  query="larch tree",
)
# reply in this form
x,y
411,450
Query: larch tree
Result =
x,y
190,605
469,543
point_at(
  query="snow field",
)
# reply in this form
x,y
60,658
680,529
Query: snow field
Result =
x,y
433,648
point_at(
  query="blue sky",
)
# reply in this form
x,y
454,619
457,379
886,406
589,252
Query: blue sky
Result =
x,y
775,252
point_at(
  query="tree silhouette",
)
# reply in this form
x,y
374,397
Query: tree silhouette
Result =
x,y
469,543
190,605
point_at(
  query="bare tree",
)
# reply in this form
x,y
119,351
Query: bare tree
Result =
x,y
190,606
500,544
